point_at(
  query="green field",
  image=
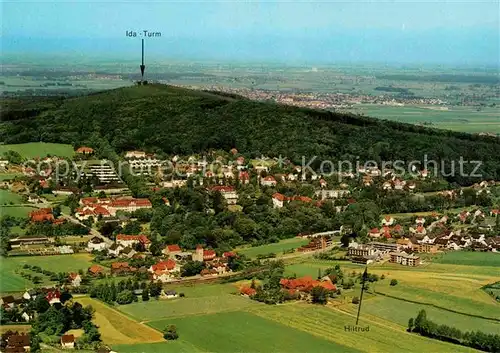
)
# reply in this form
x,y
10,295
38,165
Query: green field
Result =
x,y
466,119
276,248
245,332
330,323
399,311
9,176
16,211
39,149
13,282
9,198
179,307
468,258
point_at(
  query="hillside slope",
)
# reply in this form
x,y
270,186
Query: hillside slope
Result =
x,y
176,120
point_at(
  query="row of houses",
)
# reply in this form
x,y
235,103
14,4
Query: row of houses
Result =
x,y
108,207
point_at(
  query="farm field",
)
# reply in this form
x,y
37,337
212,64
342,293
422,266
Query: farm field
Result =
x,y
180,307
117,328
465,119
16,211
10,281
468,258
329,323
276,248
39,149
9,198
19,328
9,176
249,333
399,311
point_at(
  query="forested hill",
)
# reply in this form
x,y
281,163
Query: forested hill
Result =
x,y
176,120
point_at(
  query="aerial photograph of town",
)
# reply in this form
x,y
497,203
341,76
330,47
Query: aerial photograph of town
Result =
x,y
250,176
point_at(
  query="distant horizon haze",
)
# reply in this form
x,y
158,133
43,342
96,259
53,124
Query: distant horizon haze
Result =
x,y
397,32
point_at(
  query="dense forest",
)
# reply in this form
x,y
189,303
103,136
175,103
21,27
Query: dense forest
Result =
x,y
167,119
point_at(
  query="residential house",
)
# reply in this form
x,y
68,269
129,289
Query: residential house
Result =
x,y
30,294
388,221
68,341
85,150
228,192
172,250
115,249
119,268
170,294
135,154
278,200
244,177
16,342
268,181
96,244
130,240
374,233
75,279
53,296
95,270
8,302
128,205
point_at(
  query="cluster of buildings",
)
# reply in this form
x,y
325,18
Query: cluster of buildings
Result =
x,y
108,207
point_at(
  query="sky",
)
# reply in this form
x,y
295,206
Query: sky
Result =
x,y
432,31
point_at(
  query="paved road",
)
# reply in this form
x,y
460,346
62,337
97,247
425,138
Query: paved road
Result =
x,y
92,230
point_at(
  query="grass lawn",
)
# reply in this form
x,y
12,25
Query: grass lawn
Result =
x,y
180,307
244,332
276,248
329,323
11,282
399,311
177,346
9,176
116,328
468,258
39,149
9,198
16,211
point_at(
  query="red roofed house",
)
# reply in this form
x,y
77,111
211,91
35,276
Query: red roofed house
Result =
x,y
420,230
203,255
75,279
229,254
323,183
306,284
247,291
68,341
268,181
85,150
53,296
301,198
172,250
164,270
388,221
94,270
279,200
374,233
129,240
42,215
228,192
244,177
121,268
386,232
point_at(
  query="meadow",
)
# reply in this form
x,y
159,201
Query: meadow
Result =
x,y
10,281
399,311
16,211
465,119
181,307
117,328
468,258
39,149
248,333
276,248
9,198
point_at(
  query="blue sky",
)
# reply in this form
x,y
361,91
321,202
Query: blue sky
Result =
x,y
464,32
